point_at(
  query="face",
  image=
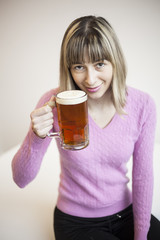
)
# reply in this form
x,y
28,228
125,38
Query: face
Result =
x,y
93,78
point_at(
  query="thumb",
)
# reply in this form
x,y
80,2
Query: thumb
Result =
x,y
51,102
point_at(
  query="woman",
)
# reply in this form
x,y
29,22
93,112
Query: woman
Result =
x,y
94,201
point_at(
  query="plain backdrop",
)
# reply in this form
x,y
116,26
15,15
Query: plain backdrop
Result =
x,y
30,38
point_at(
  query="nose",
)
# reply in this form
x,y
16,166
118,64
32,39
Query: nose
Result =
x,y
91,76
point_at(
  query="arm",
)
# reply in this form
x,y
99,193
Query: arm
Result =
x,y
143,172
27,161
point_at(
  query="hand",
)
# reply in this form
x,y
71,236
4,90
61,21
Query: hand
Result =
x,y
42,118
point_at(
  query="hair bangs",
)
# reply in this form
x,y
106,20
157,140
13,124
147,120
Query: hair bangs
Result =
x,y
91,45
75,51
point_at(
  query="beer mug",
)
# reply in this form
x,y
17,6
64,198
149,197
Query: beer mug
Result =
x,y
72,112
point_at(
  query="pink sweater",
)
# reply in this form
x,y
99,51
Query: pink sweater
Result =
x,y
93,181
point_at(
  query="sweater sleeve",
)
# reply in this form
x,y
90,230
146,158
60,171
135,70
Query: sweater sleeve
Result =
x,y
143,171
27,161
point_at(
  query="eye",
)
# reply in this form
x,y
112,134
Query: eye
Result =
x,y
78,67
100,65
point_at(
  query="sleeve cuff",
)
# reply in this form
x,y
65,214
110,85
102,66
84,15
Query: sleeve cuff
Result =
x,y
37,139
140,235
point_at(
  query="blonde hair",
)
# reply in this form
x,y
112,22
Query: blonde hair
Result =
x,y
97,35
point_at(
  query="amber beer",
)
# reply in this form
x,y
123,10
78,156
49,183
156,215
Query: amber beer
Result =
x,y
73,119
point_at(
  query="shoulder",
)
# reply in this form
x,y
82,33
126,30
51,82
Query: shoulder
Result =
x,y
46,97
140,106
139,99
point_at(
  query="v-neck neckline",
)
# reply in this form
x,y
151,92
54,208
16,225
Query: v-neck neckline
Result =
x,y
108,125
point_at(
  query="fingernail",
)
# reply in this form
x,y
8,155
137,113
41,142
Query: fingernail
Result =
x,y
51,104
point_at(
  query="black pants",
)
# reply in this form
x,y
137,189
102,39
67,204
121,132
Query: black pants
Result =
x,y
115,227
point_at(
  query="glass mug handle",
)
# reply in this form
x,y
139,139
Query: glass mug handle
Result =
x,y
53,134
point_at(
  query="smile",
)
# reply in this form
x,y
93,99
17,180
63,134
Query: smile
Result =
x,y
95,89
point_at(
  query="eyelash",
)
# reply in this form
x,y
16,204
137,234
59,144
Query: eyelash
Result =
x,y
101,64
98,65
79,67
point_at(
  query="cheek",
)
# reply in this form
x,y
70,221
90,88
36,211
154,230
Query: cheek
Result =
x,y
78,79
111,72
110,75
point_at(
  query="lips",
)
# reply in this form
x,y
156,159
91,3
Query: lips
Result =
x,y
95,89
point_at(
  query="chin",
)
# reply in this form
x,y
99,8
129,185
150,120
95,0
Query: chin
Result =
x,y
95,95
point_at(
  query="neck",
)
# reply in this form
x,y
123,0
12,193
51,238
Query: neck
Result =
x,y
102,103
102,110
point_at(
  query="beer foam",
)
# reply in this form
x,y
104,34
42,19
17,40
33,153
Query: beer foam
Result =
x,y
71,97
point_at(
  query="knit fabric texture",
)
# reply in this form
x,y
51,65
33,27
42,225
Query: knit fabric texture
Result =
x,y
93,181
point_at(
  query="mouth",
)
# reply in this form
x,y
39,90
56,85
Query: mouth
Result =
x,y
93,90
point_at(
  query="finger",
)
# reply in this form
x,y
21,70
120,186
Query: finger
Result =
x,y
43,132
43,125
42,118
41,111
51,102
